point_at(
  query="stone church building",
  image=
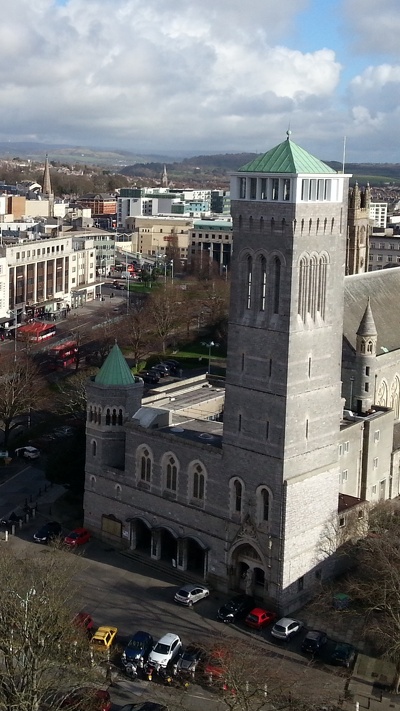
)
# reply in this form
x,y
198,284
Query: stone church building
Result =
x,y
311,404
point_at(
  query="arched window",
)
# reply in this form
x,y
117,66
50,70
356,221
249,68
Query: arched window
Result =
x,y
90,414
277,284
249,277
263,283
120,417
370,346
118,491
171,474
198,483
383,393
237,496
95,415
99,416
303,284
321,285
395,397
108,416
94,448
92,482
145,465
114,417
312,287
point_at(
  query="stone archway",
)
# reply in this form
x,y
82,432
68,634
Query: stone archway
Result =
x,y
247,570
195,557
168,546
143,537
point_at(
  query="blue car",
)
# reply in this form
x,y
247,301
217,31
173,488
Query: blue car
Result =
x,y
138,648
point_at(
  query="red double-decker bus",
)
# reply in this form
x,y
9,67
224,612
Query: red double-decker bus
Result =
x,y
63,356
36,331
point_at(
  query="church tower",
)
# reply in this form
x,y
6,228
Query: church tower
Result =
x,y
46,188
113,396
283,402
359,229
366,341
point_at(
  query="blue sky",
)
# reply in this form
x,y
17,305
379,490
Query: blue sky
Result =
x,y
151,76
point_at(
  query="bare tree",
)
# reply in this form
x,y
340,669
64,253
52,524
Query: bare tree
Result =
x,y
138,330
71,394
22,388
38,637
164,312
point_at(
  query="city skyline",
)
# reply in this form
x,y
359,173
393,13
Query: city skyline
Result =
x,y
147,77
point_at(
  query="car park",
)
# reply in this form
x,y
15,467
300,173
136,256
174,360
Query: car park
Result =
x,y
236,609
190,594
103,638
165,651
190,660
314,641
343,655
259,618
285,628
77,537
27,452
48,532
138,648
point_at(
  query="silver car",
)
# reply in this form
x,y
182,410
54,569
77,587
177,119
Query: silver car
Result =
x,y
190,594
285,628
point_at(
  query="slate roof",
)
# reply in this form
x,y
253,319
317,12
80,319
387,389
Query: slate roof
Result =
x,y
383,288
115,370
288,158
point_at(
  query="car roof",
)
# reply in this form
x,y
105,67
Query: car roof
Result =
x,y
190,586
168,638
141,635
285,621
314,634
79,530
103,631
257,611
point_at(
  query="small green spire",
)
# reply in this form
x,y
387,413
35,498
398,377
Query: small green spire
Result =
x,y
115,369
287,157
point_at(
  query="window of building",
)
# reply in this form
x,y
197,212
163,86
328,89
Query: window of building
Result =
x,y
366,387
249,281
94,448
275,188
342,521
344,475
340,450
377,435
300,584
242,188
145,465
253,188
277,284
286,189
375,462
380,257
367,370
346,446
238,493
171,474
263,263
198,483
374,489
264,505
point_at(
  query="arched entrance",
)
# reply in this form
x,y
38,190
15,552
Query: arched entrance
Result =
x,y
247,572
143,537
195,557
168,545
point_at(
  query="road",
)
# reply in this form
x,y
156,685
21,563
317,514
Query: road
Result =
x,y
117,590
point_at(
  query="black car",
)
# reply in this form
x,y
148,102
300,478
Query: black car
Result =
x,y
314,641
190,659
173,365
138,648
149,376
236,609
48,532
162,368
343,655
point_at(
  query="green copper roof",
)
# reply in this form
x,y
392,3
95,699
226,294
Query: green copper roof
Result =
x,y
288,157
115,370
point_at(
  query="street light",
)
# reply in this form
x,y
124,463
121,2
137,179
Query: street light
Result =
x,y
101,262
210,345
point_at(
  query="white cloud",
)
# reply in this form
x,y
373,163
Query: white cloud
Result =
x,y
373,25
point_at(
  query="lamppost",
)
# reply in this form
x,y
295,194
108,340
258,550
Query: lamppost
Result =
x,y
101,273
172,270
210,345
225,271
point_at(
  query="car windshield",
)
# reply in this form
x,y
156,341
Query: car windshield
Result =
x,y
161,648
183,593
252,618
279,628
231,605
73,534
135,644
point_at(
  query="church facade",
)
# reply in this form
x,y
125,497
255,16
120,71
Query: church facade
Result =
x,y
248,505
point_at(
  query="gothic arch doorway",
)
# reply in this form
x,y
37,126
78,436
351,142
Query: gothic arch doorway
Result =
x,y
143,537
196,557
168,545
247,570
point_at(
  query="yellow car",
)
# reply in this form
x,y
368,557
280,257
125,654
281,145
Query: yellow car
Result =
x,y
103,638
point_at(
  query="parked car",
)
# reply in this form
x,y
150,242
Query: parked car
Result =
x,y
343,655
216,664
103,638
93,699
48,532
236,609
27,452
77,537
189,594
173,365
285,628
162,368
84,620
165,651
149,377
314,641
190,659
259,618
138,648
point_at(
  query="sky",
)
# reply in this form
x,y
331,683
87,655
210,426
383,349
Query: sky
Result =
x,y
203,76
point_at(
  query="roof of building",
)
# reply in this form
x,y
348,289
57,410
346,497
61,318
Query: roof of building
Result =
x,y
115,370
289,158
381,287
367,325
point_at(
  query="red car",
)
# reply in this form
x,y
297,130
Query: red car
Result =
x,y
259,618
77,537
216,665
94,699
84,620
